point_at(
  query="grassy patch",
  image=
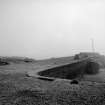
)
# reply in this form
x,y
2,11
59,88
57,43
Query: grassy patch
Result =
x,y
24,91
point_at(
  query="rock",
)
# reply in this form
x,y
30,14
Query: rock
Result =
x,y
74,82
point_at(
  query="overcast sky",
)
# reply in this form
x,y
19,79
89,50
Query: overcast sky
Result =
x,y
51,28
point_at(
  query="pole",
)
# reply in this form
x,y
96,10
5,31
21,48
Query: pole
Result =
x,y
93,49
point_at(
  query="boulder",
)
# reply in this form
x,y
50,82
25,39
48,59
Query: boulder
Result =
x,y
74,82
92,67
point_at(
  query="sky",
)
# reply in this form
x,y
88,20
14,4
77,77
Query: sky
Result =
x,y
51,28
